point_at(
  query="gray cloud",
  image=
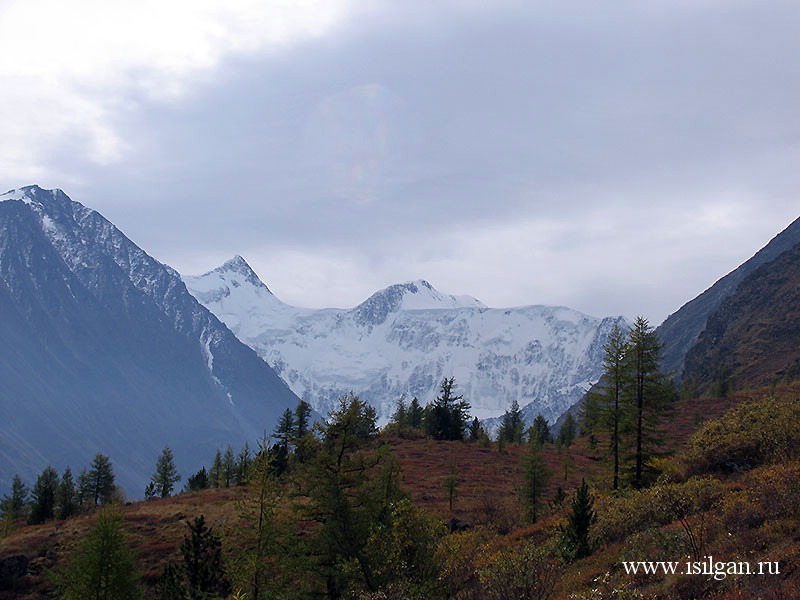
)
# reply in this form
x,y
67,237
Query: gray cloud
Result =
x,y
614,160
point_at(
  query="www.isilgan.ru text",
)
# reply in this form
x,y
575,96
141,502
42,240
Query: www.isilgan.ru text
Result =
x,y
717,569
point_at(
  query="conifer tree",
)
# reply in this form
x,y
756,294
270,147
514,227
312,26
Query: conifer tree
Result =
x,y
101,480
66,496
349,493
216,474
449,413
203,566
566,435
104,567
198,481
228,466
150,491
511,428
43,497
243,465
648,394
201,575
13,506
540,430
258,538
166,475
302,417
451,484
285,435
476,430
415,414
576,541
535,478
400,417
84,491
567,461
606,409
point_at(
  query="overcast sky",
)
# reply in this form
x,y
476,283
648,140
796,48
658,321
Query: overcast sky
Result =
x,y
617,158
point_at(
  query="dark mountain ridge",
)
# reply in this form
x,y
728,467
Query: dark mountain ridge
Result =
x,y
680,330
753,338
104,350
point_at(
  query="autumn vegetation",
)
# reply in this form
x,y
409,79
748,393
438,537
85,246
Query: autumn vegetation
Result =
x,y
431,507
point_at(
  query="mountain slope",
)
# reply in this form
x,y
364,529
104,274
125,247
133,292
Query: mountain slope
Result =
x,y
104,350
753,338
404,339
681,329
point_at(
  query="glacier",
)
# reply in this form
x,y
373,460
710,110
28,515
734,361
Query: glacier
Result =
x,y
404,339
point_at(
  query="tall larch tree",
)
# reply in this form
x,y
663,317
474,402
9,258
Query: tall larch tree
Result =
x,y
605,410
648,393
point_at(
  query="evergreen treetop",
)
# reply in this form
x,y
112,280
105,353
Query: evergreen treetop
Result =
x,y
166,475
448,414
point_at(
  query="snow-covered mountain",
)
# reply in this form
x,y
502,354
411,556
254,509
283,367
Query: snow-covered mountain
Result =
x,y
403,340
102,349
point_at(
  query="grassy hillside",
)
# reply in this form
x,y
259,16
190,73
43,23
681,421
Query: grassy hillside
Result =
x,y
729,490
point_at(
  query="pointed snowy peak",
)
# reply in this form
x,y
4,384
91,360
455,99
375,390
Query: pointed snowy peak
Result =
x,y
421,295
234,283
34,195
237,270
413,295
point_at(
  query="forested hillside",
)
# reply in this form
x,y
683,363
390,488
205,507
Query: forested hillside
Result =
x,y
345,510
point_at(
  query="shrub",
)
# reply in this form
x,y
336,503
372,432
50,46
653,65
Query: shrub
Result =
x,y
527,572
664,503
759,432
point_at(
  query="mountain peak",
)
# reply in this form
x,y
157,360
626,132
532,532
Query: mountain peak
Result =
x,y
412,295
235,284
30,193
241,270
421,295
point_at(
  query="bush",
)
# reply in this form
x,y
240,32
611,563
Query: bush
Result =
x,y
763,431
458,555
528,572
634,511
766,494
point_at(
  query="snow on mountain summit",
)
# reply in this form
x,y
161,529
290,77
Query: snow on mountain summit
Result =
x,y
403,339
241,300
414,295
27,193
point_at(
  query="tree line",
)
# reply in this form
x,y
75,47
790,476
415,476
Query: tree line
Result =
x,y
60,497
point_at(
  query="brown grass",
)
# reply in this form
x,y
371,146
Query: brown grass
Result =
x,y
488,493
